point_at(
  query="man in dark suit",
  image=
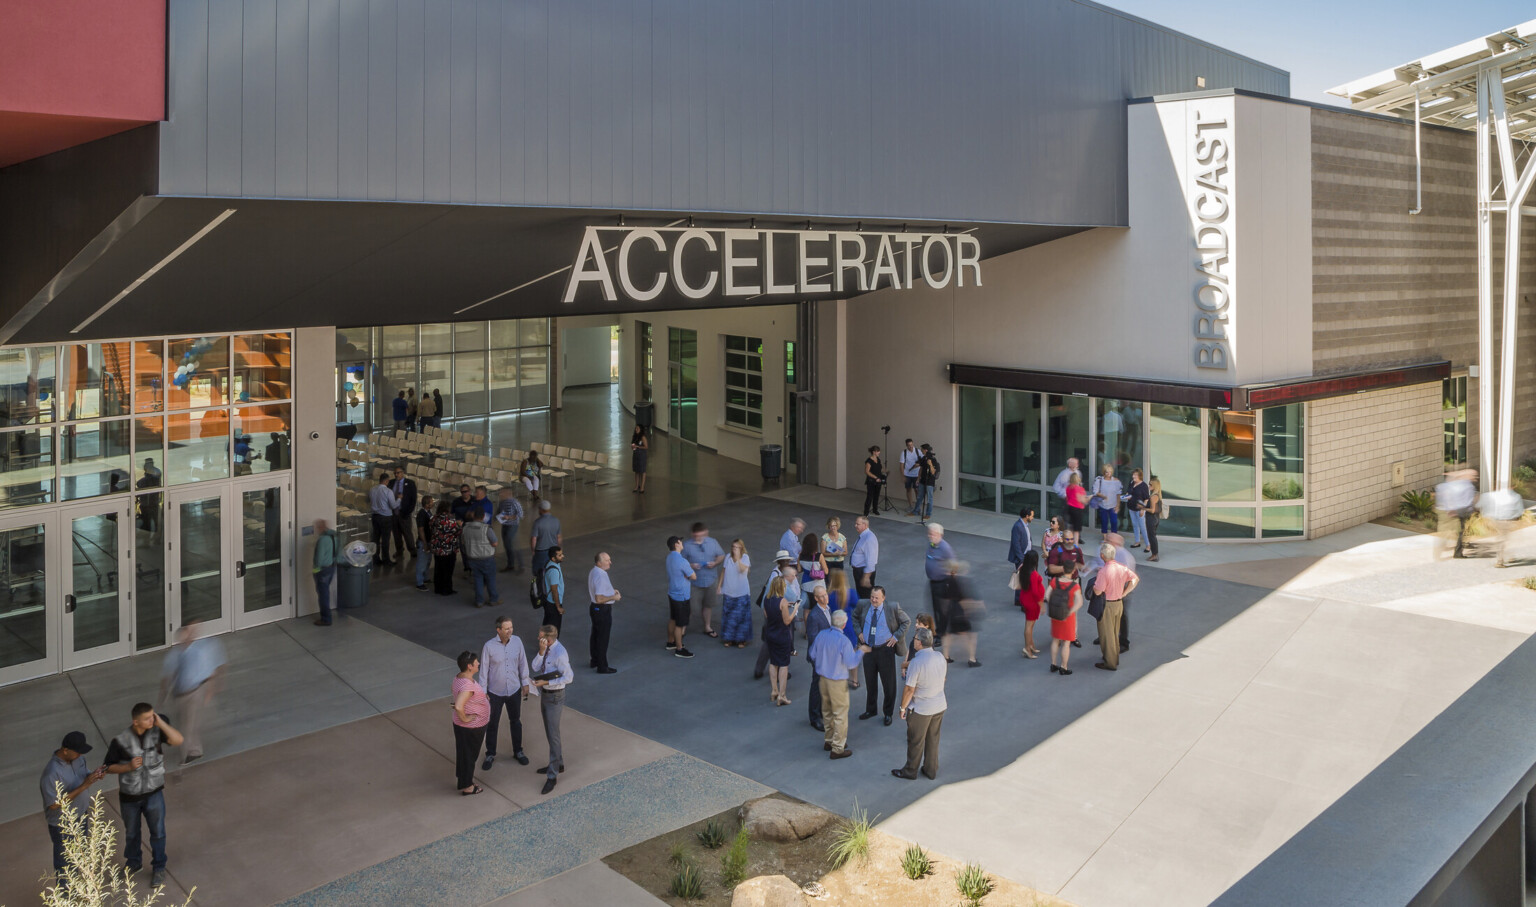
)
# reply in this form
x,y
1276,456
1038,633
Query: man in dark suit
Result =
x,y
405,515
819,618
883,627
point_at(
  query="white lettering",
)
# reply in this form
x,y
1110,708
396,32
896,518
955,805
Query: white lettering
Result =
x,y
731,263
949,261
591,249
839,242
683,240
769,287
962,261
885,264
807,262
1210,202
908,240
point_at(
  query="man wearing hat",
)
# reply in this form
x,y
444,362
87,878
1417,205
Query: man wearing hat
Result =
x,y
67,768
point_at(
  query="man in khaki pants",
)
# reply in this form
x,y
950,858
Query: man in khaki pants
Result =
x,y
834,656
922,707
1116,581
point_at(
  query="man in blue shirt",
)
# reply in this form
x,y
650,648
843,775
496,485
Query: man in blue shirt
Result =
x,y
1021,540
680,578
553,581
817,618
833,656
192,674
883,628
509,513
704,555
790,540
865,556
400,409
936,567
504,674
552,660
67,768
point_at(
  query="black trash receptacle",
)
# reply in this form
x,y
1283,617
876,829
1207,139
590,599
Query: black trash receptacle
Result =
x,y
346,431
772,456
645,413
352,585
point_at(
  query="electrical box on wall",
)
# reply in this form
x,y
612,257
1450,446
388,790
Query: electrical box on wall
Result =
x,y
1397,473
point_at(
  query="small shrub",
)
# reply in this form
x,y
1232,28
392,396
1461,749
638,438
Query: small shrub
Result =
x,y
733,863
1529,582
851,837
1282,490
678,855
973,883
1524,474
688,882
1403,518
92,875
1417,505
712,835
915,863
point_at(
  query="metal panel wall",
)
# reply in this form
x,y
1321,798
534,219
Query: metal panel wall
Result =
x,y
971,110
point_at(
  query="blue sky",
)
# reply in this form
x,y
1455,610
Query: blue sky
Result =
x,y
1324,44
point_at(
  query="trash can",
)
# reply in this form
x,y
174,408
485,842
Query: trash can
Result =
x,y
645,413
352,574
346,431
772,456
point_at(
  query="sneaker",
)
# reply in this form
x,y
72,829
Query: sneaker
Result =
x,y
671,645
157,878
421,588
683,653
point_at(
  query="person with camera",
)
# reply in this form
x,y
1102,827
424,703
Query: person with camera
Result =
x,y
874,480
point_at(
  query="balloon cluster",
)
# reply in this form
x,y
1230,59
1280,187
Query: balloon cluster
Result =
x,y
189,360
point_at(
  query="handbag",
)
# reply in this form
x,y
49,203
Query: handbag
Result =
x,y
1163,514
1013,581
1096,605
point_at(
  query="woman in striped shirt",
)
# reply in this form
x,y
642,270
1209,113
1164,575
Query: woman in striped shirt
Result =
x,y
471,712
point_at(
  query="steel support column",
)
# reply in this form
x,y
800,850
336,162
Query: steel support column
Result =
x,y
1485,375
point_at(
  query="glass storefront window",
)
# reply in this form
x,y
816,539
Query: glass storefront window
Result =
x,y
469,397
262,438
469,336
394,376
149,376
1229,456
93,380
1173,440
1067,426
437,374
1119,442
1016,499
1181,523
534,377
149,452
1284,476
263,367
978,495
978,431
436,338
199,369
93,459
1284,522
357,343
504,380
504,333
534,332
26,467
1229,523
199,447
1021,438
24,615
397,340
27,385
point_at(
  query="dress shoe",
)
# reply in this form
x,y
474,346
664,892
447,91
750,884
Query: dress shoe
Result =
x,y
1076,644
549,785
932,777
607,670
827,747
157,878
486,765
841,754
545,769
1104,667
1054,669
864,715
887,721
1063,672
521,758
819,726
322,623
898,773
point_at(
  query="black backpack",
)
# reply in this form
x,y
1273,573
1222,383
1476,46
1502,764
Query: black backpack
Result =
x,y
1058,600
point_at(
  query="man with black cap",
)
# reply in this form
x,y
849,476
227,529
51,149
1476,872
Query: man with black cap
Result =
x,y
67,768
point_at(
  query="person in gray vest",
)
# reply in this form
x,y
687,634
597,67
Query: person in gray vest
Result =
x,y
137,757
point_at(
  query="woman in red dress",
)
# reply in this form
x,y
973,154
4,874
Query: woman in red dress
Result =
x,y
1031,596
1064,631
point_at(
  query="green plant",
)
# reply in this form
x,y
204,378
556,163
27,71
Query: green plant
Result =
x,y
851,837
678,855
1403,518
973,883
1524,473
915,863
712,835
1417,504
1282,490
688,882
1529,582
733,863
92,876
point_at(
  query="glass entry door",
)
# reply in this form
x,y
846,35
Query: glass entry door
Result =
x,y
196,566
29,640
96,581
263,556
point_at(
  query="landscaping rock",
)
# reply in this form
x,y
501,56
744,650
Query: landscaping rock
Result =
x,y
768,891
772,819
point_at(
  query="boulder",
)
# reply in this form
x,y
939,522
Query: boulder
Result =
x,y
768,891
772,819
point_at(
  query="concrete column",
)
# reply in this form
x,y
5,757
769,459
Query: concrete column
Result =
x,y
832,393
314,449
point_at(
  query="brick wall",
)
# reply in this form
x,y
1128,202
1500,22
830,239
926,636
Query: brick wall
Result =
x,y
1352,443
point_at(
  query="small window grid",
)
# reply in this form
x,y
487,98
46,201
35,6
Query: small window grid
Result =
x,y
744,382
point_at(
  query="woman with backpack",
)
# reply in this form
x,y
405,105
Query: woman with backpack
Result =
x,y
1063,600
1031,596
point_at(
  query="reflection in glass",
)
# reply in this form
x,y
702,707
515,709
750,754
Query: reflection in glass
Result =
x,y
504,334
199,372
1021,438
393,376
1181,523
97,617
534,379
1284,476
1173,436
261,548
469,336
262,436
1284,522
93,380
397,340
263,367
504,380
201,574
436,338
93,458
23,597
1119,437
199,446
978,431
1229,523
26,467
149,453
1229,456
149,376
149,572
533,332
469,396
352,386
978,495
357,343
26,385
1016,499
437,374
1067,426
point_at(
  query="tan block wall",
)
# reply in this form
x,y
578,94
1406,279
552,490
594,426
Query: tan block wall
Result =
x,y
1352,443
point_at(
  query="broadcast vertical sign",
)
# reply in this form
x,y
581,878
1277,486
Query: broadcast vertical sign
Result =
x,y
1208,180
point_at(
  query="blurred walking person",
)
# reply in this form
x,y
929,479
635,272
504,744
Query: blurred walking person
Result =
x,y
192,675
